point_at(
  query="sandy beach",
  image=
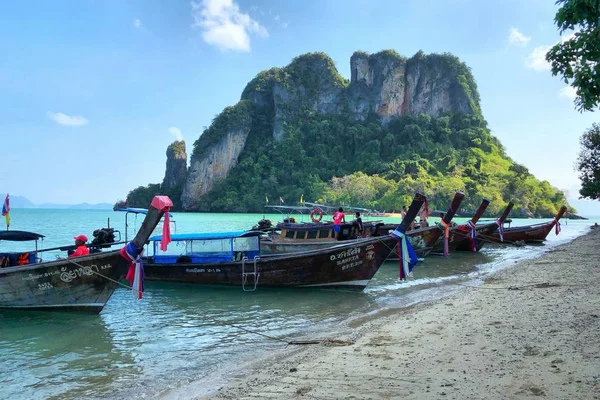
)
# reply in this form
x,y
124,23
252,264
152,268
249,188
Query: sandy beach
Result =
x,y
530,330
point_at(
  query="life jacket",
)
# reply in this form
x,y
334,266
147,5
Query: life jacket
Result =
x,y
23,259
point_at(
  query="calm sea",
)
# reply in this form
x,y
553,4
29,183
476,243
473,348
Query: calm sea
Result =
x,y
181,340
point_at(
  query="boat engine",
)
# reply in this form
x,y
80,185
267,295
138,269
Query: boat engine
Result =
x,y
103,237
263,225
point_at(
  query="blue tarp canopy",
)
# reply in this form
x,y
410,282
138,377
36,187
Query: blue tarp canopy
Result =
x,y
136,210
209,235
19,236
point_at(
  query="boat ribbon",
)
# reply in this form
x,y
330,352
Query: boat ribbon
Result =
x,y
446,236
557,228
472,234
407,258
500,229
135,275
160,203
130,252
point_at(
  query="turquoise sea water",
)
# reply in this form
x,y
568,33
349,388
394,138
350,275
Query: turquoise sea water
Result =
x,y
185,340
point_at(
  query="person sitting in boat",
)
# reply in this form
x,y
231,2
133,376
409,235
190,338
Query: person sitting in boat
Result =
x,y
338,217
358,224
81,249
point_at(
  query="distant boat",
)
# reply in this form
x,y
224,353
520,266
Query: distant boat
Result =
x,y
535,233
425,239
79,284
460,236
292,237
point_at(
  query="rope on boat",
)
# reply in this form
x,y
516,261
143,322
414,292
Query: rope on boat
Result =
x,y
293,342
492,239
99,274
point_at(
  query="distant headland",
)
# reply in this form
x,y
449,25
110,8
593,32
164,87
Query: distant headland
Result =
x,y
23,202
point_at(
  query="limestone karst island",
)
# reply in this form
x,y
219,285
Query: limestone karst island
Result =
x,y
399,126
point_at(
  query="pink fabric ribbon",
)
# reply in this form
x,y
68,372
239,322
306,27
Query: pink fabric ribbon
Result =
x,y
500,229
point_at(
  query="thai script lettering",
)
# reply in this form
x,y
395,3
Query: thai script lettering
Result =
x,y
68,276
344,254
196,270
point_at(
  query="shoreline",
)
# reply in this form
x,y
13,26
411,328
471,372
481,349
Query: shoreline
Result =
x,y
541,338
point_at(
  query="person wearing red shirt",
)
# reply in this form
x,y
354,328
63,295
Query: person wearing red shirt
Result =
x,y
81,249
338,217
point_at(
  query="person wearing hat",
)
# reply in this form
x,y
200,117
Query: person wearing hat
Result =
x,y
81,249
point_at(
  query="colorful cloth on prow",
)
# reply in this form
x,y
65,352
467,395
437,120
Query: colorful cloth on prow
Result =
x,y
500,229
135,275
6,210
472,234
130,252
557,228
164,204
407,258
426,208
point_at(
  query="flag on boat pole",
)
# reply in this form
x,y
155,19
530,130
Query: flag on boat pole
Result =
x,y
6,210
266,200
301,198
281,199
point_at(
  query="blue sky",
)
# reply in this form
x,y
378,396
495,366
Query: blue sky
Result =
x,y
94,91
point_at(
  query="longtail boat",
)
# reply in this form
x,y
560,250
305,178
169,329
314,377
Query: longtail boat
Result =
x,y
424,239
235,259
464,237
535,233
77,283
292,237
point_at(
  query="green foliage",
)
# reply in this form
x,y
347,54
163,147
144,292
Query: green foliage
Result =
x,y
588,163
142,195
230,119
335,159
577,59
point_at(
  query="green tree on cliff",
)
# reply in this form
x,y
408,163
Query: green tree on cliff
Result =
x,y
588,163
578,58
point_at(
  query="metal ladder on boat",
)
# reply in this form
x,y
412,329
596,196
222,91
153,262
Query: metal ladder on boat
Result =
x,y
252,272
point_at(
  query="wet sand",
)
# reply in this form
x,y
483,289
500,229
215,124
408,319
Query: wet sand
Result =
x,y
531,330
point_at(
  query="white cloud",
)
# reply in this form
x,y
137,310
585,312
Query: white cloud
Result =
x,y
281,23
67,120
517,38
176,132
537,59
137,23
568,92
224,25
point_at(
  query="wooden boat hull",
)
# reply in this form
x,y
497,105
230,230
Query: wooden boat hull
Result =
x,y
283,247
79,283
423,240
62,285
529,234
345,266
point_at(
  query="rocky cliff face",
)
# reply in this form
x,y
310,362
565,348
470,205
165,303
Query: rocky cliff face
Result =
x,y
215,164
176,171
385,84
